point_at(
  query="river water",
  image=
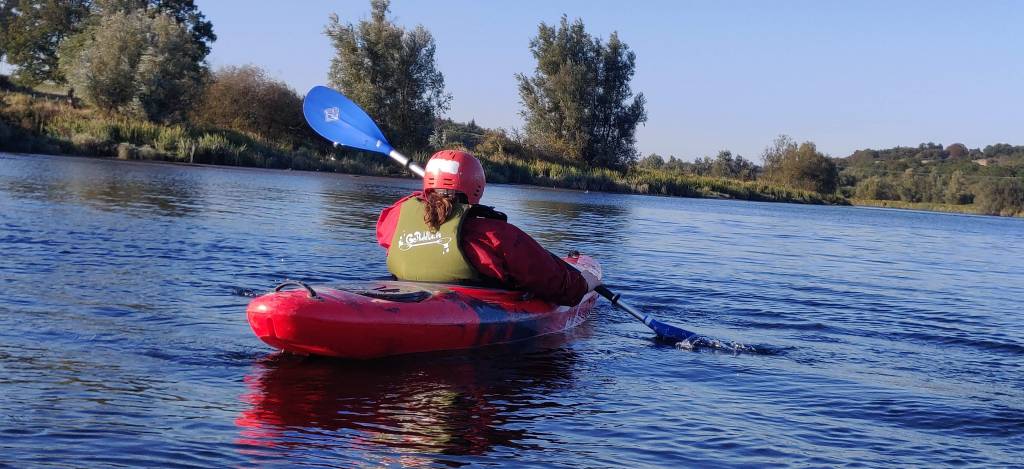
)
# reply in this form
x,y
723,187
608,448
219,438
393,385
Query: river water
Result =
x,y
880,337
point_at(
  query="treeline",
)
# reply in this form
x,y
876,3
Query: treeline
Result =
x,y
139,67
145,60
577,102
129,78
787,163
988,180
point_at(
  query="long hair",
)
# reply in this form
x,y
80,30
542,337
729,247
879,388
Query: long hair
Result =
x,y
439,205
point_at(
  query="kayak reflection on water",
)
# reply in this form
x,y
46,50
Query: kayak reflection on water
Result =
x,y
455,403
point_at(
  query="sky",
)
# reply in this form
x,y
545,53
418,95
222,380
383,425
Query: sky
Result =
x,y
716,74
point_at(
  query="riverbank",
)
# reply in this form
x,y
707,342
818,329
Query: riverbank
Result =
x,y
969,209
33,122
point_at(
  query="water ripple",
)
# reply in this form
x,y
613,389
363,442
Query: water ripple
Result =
x,y
829,336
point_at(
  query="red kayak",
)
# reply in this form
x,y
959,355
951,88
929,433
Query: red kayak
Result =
x,y
383,318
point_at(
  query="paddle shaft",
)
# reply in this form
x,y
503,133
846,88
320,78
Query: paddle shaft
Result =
x,y
615,299
664,331
404,161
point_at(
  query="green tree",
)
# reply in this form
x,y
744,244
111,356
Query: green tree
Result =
x,y
875,188
957,190
675,164
135,63
390,72
702,166
652,161
184,12
774,153
32,33
957,151
727,166
579,102
800,166
1001,196
6,14
169,77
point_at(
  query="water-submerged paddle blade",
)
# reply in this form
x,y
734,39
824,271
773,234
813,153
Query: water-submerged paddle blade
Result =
x,y
343,122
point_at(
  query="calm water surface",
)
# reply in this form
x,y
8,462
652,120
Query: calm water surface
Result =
x,y
889,338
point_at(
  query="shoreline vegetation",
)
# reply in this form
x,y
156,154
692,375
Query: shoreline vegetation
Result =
x,y
44,123
37,122
130,80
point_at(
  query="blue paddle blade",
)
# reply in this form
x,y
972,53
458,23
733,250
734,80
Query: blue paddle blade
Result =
x,y
341,121
668,332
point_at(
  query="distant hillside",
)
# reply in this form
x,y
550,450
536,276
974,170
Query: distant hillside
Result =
x,y
994,160
989,180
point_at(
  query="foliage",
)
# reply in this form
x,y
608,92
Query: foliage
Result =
x,y
390,72
247,100
577,102
6,15
184,12
450,134
1002,197
31,33
40,124
135,63
957,150
726,166
652,161
800,166
939,177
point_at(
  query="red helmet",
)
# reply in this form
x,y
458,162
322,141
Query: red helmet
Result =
x,y
457,170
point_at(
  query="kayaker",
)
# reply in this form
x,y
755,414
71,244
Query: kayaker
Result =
x,y
443,234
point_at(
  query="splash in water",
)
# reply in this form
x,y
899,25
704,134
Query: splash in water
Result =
x,y
705,343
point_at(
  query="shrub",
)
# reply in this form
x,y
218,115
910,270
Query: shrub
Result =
x,y
1001,196
247,100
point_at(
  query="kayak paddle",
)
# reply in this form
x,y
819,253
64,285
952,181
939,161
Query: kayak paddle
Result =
x,y
664,331
338,119
343,122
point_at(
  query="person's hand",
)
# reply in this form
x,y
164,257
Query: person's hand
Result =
x,y
592,280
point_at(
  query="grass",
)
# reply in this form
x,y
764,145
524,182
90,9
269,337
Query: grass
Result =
x,y
36,122
45,124
972,209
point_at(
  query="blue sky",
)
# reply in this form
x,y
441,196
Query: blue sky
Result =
x,y
717,75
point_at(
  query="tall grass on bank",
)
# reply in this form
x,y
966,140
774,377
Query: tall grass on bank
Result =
x,y
970,209
50,125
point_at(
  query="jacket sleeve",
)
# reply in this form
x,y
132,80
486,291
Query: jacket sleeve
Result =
x,y
504,252
388,220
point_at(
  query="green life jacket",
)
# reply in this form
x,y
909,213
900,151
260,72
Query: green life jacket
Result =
x,y
420,254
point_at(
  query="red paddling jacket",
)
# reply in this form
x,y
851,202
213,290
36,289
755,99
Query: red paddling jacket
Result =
x,y
502,252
